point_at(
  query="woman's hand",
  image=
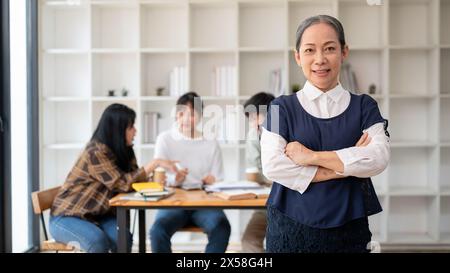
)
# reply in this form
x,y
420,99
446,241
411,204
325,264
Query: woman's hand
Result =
x,y
298,153
209,179
364,140
181,176
166,164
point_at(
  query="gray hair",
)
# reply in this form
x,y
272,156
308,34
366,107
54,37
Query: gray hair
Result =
x,y
330,20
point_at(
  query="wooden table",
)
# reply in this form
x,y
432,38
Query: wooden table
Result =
x,y
181,199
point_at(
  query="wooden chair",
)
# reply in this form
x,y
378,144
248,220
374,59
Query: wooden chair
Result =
x,y
191,229
42,200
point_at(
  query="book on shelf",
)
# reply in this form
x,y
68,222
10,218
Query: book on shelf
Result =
x,y
178,81
224,81
277,83
262,192
348,79
151,130
225,128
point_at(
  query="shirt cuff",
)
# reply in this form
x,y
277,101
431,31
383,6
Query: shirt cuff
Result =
x,y
302,182
347,158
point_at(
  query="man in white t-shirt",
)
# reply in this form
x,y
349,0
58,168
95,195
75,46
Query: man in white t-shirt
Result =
x,y
201,164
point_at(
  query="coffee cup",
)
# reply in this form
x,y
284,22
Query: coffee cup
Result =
x,y
252,174
159,175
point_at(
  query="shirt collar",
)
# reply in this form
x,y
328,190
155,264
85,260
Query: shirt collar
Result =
x,y
313,92
177,135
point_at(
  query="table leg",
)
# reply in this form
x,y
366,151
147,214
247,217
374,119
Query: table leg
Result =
x,y
142,231
122,229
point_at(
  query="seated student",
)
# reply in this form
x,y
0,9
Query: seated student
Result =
x,y
80,212
255,109
201,162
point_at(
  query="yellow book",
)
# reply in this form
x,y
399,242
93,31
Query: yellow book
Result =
x,y
147,187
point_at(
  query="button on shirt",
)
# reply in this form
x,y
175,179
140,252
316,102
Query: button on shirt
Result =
x,y
365,161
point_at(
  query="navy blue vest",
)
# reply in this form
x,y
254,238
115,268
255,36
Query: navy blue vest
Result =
x,y
335,202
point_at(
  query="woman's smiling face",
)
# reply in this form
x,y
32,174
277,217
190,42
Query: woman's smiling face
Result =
x,y
320,56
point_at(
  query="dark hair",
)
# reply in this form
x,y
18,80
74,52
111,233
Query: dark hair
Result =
x,y
254,103
330,20
111,131
190,99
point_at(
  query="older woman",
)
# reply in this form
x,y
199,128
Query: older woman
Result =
x,y
320,146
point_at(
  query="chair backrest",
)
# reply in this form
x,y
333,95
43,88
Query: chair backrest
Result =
x,y
43,200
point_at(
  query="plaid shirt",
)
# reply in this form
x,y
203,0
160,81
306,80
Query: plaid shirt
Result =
x,y
94,180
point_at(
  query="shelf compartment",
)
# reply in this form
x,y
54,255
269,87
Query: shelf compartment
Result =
x,y
156,69
262,25
416,64
66,75
256,70
445,71
445,170
213,25
411,23
65,122
162,25
445,219
65,27
413,171
445,22
413,120
114,72
166,118
203,66
368,68
412,220
115,26
58,164
363,23
299,11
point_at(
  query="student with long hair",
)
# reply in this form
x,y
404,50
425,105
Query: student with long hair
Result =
x,y
80,212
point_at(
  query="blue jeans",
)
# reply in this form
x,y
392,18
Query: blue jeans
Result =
x,y
213,222
92,238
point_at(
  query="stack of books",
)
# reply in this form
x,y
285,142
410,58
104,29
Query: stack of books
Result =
x,y
238,190
148,191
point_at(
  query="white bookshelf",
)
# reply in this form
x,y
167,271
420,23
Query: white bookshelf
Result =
x,y
402,46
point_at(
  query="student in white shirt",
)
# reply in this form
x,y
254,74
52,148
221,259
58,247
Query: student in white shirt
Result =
x,y
201,162
320,146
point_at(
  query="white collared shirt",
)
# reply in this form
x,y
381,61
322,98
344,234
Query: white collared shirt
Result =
x,y
200,156
358,161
